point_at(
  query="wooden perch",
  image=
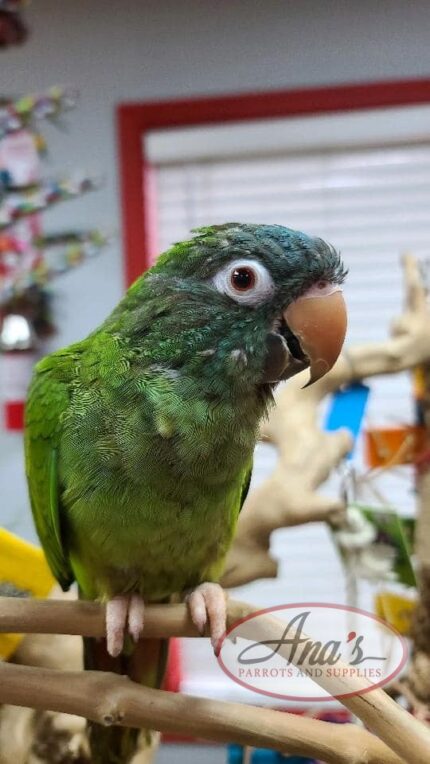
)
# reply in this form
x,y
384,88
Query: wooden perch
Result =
x,y
111,699
409,345
97,696
307,455
416,322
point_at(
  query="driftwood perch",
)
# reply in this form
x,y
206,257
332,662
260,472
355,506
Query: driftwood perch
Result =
x,y
416,322
114,700
109,699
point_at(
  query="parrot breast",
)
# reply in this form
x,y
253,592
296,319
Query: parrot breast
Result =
x,y
152,502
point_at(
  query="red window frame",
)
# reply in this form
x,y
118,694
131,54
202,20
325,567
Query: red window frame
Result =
x,y
134,120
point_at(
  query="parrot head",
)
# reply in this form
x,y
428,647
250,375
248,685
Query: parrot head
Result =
x,y
262,301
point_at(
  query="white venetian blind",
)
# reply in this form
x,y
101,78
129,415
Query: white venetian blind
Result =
x,y
362,182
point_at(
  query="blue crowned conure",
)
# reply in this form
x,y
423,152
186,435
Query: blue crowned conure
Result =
x,y
140,438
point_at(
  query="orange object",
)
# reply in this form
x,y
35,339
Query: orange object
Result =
x,y
387,447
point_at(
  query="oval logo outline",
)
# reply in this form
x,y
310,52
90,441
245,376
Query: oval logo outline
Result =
x,y
314,698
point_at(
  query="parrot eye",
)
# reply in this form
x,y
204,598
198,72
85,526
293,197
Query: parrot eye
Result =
x,y
245,281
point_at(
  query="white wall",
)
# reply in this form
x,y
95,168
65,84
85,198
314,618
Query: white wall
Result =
x,y
156,49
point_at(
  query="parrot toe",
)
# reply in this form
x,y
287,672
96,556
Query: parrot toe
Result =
x,y
121,612
208,602
116,617
136,611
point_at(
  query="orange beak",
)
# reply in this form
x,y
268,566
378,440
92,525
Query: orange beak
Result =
x,y
318,319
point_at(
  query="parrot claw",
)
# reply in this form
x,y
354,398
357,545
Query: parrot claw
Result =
x,y
122,611
208,602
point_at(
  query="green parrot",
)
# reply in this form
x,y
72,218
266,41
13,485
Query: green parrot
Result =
x,y
139,439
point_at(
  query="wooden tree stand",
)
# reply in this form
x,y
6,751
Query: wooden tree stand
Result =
x,y
111,699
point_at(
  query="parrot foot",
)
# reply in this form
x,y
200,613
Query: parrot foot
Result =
x,y
121,611
208,601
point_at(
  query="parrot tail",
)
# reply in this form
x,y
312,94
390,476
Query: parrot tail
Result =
x,y
144,663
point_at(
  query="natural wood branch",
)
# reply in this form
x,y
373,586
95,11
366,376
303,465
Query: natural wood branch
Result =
x,y
110,699
401,732
306,454
408,346
416,686
306,457
87,619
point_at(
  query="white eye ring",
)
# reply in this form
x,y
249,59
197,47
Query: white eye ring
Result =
x,y
259,288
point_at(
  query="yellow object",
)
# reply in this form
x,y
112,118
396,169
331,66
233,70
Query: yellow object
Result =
x,y
23,572
397,610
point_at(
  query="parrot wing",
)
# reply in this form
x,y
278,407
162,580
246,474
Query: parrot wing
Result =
x,y
47,401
